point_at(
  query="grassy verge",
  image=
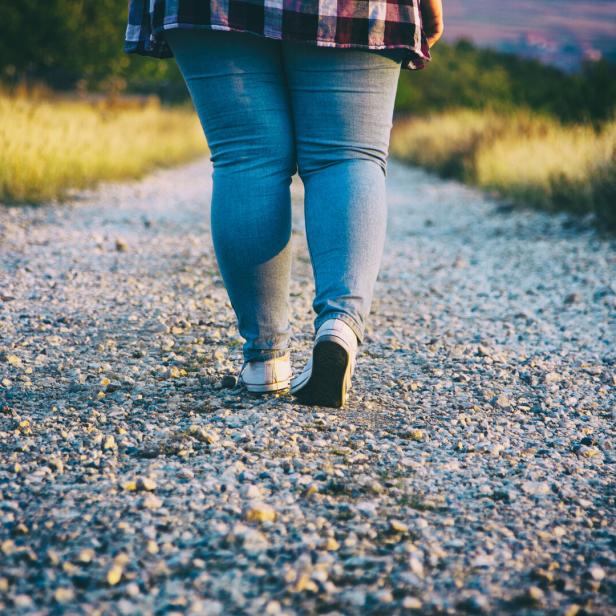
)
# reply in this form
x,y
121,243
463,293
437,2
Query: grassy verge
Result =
x,y
48,147
534,160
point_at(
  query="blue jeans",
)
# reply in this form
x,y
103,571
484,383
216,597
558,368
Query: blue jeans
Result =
x,y
270,109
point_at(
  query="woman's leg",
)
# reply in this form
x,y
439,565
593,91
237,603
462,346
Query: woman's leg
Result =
x,y
342,102
237,84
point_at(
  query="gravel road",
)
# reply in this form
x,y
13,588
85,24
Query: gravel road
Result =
x,y
473,470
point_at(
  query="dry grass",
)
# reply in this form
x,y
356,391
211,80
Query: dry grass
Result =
x,y
534,160
48,146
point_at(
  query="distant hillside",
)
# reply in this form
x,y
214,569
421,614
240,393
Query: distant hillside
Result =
x,y
462,75
559,32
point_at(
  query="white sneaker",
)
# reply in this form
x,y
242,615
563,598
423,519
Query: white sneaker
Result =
x,y
326,378
265,376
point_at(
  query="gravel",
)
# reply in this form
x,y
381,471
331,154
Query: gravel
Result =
x,y
472,471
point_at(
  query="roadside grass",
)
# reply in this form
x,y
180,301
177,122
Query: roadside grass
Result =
x,y
50,146
533,160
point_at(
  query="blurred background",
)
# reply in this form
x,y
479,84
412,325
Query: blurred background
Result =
x,y
519,100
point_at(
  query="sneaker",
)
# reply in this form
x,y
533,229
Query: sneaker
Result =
x,y
265,376
326,378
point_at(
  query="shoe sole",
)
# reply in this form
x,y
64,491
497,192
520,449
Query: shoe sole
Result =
x,y
264,389
327,384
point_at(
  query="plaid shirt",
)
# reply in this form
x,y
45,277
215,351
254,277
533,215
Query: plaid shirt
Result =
x,y
367,24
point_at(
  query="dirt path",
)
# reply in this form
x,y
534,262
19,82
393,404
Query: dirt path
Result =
x,y
472,471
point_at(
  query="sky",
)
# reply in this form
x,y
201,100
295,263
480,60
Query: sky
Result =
x,y
556,31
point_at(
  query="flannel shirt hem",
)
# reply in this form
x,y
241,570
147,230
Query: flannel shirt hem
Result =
x,y
365,24
156,46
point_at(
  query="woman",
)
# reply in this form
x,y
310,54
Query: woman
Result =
x,y
294,85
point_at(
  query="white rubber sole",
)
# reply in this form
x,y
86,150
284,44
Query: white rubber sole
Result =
x,y
266,387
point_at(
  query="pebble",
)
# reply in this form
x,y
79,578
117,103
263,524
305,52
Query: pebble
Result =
x,y
121,245
86,555
14,361
114,575
398,527
109,442
228,381
597,573
503,402
535,594
151,502
260,512
146,483
136,474
64,595
411,603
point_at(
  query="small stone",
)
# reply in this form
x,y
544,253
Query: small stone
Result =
x,y
572,610
228,381
14,361
416,435
121,245
503,402
397,526
86,555
167,344
536,488
151,547
260,512
310,490
109,442
534,594
543,575
356,598
63,595
572,298
57,464
7,547
589,452
114,575
205,436
146,484
476,604
22,601
597,573
253,540
273,608
303,583
552,377
331,544
411,603
251,492
416,566
152,502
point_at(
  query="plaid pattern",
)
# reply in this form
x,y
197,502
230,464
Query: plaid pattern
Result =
x,y
367,24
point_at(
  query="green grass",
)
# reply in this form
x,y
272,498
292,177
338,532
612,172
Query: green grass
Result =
x,y
50,146
534,160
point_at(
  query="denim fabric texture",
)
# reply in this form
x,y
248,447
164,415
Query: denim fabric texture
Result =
x,y
270,109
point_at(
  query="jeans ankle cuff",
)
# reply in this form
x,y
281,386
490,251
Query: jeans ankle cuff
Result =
x,y
264,354
348,319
